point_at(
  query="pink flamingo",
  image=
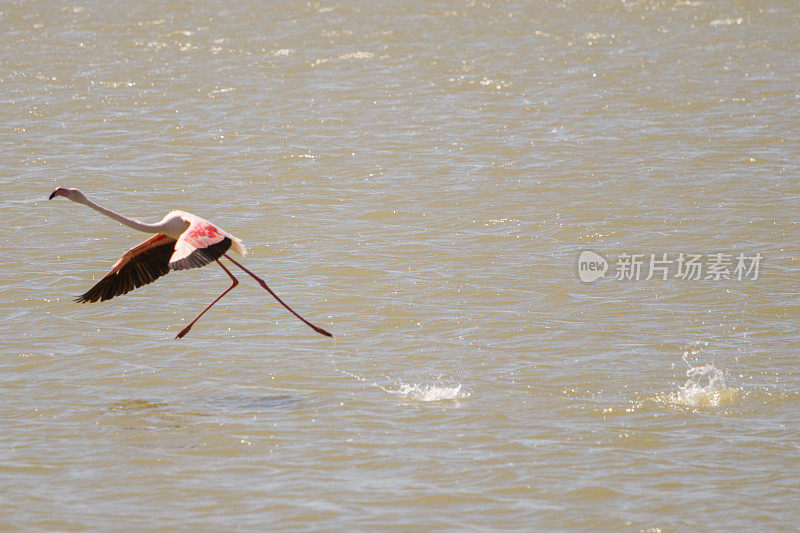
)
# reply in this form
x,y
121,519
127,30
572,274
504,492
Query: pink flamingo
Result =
x,y
181,241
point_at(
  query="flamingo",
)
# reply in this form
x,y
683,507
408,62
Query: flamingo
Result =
x,y
181,241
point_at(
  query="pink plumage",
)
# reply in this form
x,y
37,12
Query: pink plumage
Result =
x,y
201,243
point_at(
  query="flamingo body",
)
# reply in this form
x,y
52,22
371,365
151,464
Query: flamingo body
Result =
x,y
200,242
182,241
188,242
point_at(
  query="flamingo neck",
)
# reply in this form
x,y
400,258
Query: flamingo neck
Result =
x,y
130,222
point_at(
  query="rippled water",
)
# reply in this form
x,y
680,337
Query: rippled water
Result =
x,y
419,178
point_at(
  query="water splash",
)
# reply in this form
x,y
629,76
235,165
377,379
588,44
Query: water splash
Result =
x,y
422,392
705,386
432,389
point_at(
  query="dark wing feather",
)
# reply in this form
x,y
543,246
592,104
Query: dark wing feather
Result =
x,y
202,256
139,266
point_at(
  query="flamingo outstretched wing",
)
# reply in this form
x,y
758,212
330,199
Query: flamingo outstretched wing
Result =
x,y
201,244
138,266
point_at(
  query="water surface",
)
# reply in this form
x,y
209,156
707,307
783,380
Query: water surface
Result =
x,y
420,179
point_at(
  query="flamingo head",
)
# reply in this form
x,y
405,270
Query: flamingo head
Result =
x,y
70,194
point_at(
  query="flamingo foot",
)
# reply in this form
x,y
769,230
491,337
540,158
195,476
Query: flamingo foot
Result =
x,y
183,332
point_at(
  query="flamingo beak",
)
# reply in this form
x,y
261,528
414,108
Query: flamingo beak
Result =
x,y
57,192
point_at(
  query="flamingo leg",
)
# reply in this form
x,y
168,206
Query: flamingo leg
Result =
x,y
263,284
234,282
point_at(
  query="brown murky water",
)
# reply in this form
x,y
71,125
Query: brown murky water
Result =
x,y
419,178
